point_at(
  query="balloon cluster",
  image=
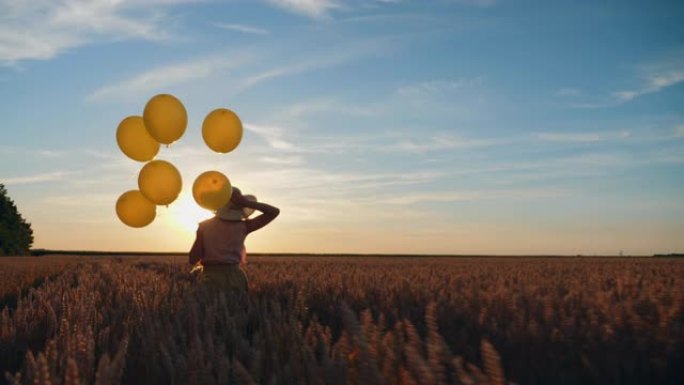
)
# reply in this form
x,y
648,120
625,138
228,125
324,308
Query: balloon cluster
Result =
x,y
164,121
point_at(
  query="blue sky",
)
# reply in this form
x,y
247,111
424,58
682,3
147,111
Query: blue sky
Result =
x,y
376,126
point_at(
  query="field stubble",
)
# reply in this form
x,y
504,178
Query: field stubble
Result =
x,y
318,320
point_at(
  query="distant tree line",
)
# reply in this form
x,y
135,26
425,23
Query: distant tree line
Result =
x,y
672,255
16,236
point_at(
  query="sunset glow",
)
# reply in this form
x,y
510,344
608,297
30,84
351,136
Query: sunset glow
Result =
x,y
186,214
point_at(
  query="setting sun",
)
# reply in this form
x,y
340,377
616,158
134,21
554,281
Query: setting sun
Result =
x,y
186,214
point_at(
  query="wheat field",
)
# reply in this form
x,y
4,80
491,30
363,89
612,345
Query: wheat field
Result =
x,y
334,320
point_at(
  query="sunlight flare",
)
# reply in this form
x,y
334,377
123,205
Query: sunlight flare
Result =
x,y
186,214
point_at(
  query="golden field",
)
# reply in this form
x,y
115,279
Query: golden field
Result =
x,y
344,320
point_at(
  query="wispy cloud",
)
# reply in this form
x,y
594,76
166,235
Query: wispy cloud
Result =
x,y
273,135
655,81
303,110
441,196
679,131
651,78
460,196
283,160
315,9
81,200
305,183
285,141
440,86
655,77
163,77
383,17
568,91
569,137
324,59
37,178
582,137
323,9
438,142
211,67
43,153
49,156
461,98
43,29
477,3
248,29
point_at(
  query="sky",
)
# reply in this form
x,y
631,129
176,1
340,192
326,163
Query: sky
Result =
x,y
377,126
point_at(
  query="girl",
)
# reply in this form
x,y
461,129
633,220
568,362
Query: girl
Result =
x,y
220,244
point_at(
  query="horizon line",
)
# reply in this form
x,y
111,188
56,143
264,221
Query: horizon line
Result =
x,y
47,252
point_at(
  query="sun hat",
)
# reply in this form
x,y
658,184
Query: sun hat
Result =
x,y
230,212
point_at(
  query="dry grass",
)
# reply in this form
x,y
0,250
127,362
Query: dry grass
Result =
x,y
344,321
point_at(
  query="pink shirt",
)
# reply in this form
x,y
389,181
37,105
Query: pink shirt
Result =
x,y
219,242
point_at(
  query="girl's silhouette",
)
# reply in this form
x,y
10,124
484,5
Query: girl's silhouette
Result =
x,y
220,244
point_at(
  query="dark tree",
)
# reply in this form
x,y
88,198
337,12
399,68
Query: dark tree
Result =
x,y
16,236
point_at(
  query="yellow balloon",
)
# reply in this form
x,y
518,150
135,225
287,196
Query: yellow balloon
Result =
x,y
160,182
212,190
134,140
134,210
222,130
165,118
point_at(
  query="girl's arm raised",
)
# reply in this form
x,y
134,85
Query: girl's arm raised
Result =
x,y
269,213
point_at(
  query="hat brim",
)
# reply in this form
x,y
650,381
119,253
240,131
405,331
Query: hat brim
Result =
x,y
230,212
